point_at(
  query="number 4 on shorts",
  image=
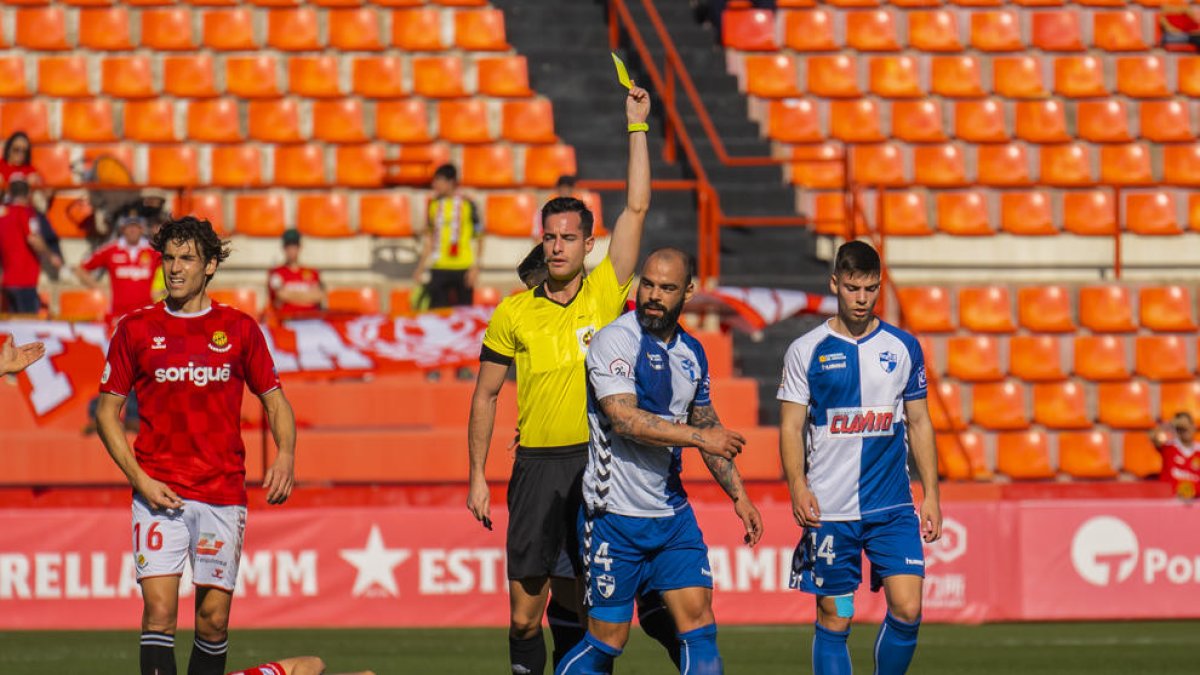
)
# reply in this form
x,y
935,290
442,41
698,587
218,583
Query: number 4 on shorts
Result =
x,y
825,550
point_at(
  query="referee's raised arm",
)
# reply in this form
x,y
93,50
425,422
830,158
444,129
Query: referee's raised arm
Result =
x,y
626,242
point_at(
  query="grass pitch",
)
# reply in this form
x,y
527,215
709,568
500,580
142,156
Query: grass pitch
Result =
x,y
1161,648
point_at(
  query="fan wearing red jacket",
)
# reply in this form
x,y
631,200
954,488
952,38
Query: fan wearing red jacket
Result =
x,y
1180,455
188,358
130,262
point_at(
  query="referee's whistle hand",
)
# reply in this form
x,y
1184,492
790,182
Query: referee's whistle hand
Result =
x,y
479,501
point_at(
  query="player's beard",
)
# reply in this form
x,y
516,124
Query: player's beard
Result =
x,y
658,324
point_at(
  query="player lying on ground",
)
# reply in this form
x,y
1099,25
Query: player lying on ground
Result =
x,y
296,665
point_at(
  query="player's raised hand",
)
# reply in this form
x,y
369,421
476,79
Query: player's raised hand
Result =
x,y
720,441
751,520
479,501
931,520
280,478
158,494
14,359
805,508
637,105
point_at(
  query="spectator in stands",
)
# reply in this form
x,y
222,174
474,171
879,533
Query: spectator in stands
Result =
x,y
564,187
1176,442
130,262
21,248
295,290
14,358
17,165
1178,25
452,245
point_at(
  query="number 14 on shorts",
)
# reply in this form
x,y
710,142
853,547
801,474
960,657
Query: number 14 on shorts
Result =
x,y
824,550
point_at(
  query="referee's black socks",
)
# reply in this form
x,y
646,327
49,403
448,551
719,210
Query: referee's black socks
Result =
x,y
208,658
158,653
564,627
656,621
527,655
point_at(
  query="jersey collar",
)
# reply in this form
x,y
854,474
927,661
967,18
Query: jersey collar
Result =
x,y
829,329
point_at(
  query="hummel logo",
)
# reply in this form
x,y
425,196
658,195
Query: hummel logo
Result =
x,y
159,343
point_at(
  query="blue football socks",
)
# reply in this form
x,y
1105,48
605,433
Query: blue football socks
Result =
x,y
698,653
895,645
589,657
831,655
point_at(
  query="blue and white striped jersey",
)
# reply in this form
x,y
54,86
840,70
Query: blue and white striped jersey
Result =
x,y
856,439
624,476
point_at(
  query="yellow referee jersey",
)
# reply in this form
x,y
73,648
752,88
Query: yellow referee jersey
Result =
x,y
549,343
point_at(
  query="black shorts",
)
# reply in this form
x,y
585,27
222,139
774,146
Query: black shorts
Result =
x,y
448,288
544,497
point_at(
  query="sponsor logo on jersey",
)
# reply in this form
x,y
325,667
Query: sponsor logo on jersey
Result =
x,y
876,421
197,375
888,361
208,544
655,360
160,342
131,272
220,342
910,561
832,361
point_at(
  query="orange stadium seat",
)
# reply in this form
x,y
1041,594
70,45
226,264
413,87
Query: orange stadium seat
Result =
x,y
996,31
1103,121
127,77
259,215
1165,121
41,29
809,30
274,120
1118,31
1066,165
462,3
314,76
438,77
1142,76
1166,308
940,166
117,171
244,299
1138,455
833,76
354,29
981,121
1181,164
985,309
1002,165
829,213
300,165
238,165
999,406
963,214
464,121
878,164
530,121
895,77
293,29
400,302
956,77
1057,31
82,304
1175,397
1125,164
1061,405
1035,358
172,165
794,120
359,165
1151,213
1089,213
105,29
812,166
54,163
871,31
31,116
1045,309
974,358
417,162
1125,405
1024,455
925,309
905,214
961,456
378,76
480,30
12,78
339,121
1101,357
1106,309
749,29
228,30
360,300
189,76
418,30
402,121
386,214
1193,208
1188,76
917,121
510,214
771,76
933,31
1079,77
488,166
916,3
65,216
213,120
323,215
252,76
1042,121
855,121
88,121
946,407
503,76
168,29
1018,77
1162,357
1086,454
150,121
545,163
1026,214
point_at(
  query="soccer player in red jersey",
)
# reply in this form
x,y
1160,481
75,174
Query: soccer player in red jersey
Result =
x,y
130,262
1180,454
295,290
188,359
297,665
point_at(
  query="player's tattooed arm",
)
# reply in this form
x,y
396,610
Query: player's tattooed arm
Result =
x,y
723,470
649,429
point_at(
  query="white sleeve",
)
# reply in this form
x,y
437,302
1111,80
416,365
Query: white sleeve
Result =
x,y
610,362
793,386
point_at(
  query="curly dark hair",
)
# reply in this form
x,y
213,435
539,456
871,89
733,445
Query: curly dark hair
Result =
x,y
191,228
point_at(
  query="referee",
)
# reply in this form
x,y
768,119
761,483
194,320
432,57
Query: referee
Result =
x,y
546,331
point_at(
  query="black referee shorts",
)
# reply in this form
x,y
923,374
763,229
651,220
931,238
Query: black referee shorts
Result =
x,y
544,497
448,288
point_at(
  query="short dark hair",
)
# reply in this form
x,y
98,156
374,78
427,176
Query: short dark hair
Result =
x,y
447,171
569,205
566,180
193,229
689,260
532,269
855,258
18,189
1186,415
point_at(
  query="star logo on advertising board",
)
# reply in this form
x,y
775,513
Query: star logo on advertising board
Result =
x,y
374,564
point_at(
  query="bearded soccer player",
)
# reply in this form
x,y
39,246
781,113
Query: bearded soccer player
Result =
x,y
188,359
545,331
853,405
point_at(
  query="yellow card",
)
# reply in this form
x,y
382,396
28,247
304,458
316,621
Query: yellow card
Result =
x,y
622,73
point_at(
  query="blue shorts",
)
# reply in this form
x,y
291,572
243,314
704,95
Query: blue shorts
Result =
x,y
828,559
624,556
